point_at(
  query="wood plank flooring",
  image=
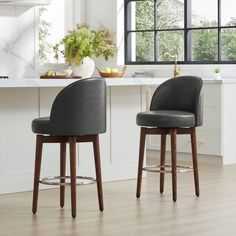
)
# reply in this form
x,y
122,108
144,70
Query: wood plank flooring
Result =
x,y
212,214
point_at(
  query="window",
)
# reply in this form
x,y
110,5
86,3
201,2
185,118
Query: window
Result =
x,y
197,31
52,28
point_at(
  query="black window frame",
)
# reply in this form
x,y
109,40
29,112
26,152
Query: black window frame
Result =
x,y
187,36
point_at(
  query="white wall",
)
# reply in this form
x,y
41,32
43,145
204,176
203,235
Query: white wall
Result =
x,y
102,13
106,12
17,37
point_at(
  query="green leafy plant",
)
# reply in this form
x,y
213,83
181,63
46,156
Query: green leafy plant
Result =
x,y
217,70
85,42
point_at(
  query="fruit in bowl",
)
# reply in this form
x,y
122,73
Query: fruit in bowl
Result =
x,y
111,73
114,70
107,70
48,73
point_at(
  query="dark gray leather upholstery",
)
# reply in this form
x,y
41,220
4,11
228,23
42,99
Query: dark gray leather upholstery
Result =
x,y
79,109
178,102
41,125
166,118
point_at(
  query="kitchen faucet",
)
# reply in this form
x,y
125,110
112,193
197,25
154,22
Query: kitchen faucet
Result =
x,y
175,57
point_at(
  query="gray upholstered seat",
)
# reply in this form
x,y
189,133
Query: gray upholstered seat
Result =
x,y
79,109
175,103
165,119
41,125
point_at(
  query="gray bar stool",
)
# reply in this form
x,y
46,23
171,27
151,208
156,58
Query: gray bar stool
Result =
x,y
176,108
78,114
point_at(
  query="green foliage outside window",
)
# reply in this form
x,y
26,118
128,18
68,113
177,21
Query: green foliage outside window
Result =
x,y
229,42
170,15
205,43
45,47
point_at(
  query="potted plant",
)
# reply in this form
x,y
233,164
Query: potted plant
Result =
x,y
217,73
79,45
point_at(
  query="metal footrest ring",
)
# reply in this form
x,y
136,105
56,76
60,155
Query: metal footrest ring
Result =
x,y
167,168
54,180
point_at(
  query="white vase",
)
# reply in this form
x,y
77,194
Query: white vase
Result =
x,y
217,76
85,69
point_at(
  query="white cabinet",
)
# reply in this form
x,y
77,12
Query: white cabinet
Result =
x,y
118,146
209,136
18,107
229,123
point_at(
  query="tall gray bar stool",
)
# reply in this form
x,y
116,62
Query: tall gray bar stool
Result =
x,y
176,108
78,114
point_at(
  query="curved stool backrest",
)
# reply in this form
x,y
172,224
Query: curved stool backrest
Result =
x,y
80,109
183,93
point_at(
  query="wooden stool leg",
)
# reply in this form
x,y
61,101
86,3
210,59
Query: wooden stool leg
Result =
x,y
98,171
195,162
141,157
163,157
37,168
72,142
62,172
174,164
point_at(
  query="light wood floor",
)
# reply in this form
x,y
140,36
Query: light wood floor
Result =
x,y
214,213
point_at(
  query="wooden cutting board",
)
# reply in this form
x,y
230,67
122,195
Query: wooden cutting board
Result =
x,y
59,77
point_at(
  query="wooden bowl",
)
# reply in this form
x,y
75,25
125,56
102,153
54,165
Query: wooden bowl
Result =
x,y
112,74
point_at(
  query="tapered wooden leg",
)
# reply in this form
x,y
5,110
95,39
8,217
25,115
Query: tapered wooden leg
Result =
x,y
195,162
163,157
141,157
98,171
174,164
62,172
38,158
72,143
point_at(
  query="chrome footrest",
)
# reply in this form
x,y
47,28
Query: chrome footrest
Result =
x,y
55,180
167,168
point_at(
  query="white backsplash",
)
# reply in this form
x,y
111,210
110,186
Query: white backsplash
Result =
x,y
17,41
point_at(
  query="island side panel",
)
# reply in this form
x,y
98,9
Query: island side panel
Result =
x,y
18,107
229,123
126,102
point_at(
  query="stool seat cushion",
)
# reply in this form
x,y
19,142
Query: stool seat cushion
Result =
x,y
41,125
166,119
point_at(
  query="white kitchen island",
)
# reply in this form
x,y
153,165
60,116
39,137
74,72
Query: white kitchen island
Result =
x,y
23,100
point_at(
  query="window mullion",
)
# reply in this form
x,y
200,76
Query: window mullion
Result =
x,y
219,30
155,32
187,32
128,46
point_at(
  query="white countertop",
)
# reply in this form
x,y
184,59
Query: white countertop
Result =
x,y
46,83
